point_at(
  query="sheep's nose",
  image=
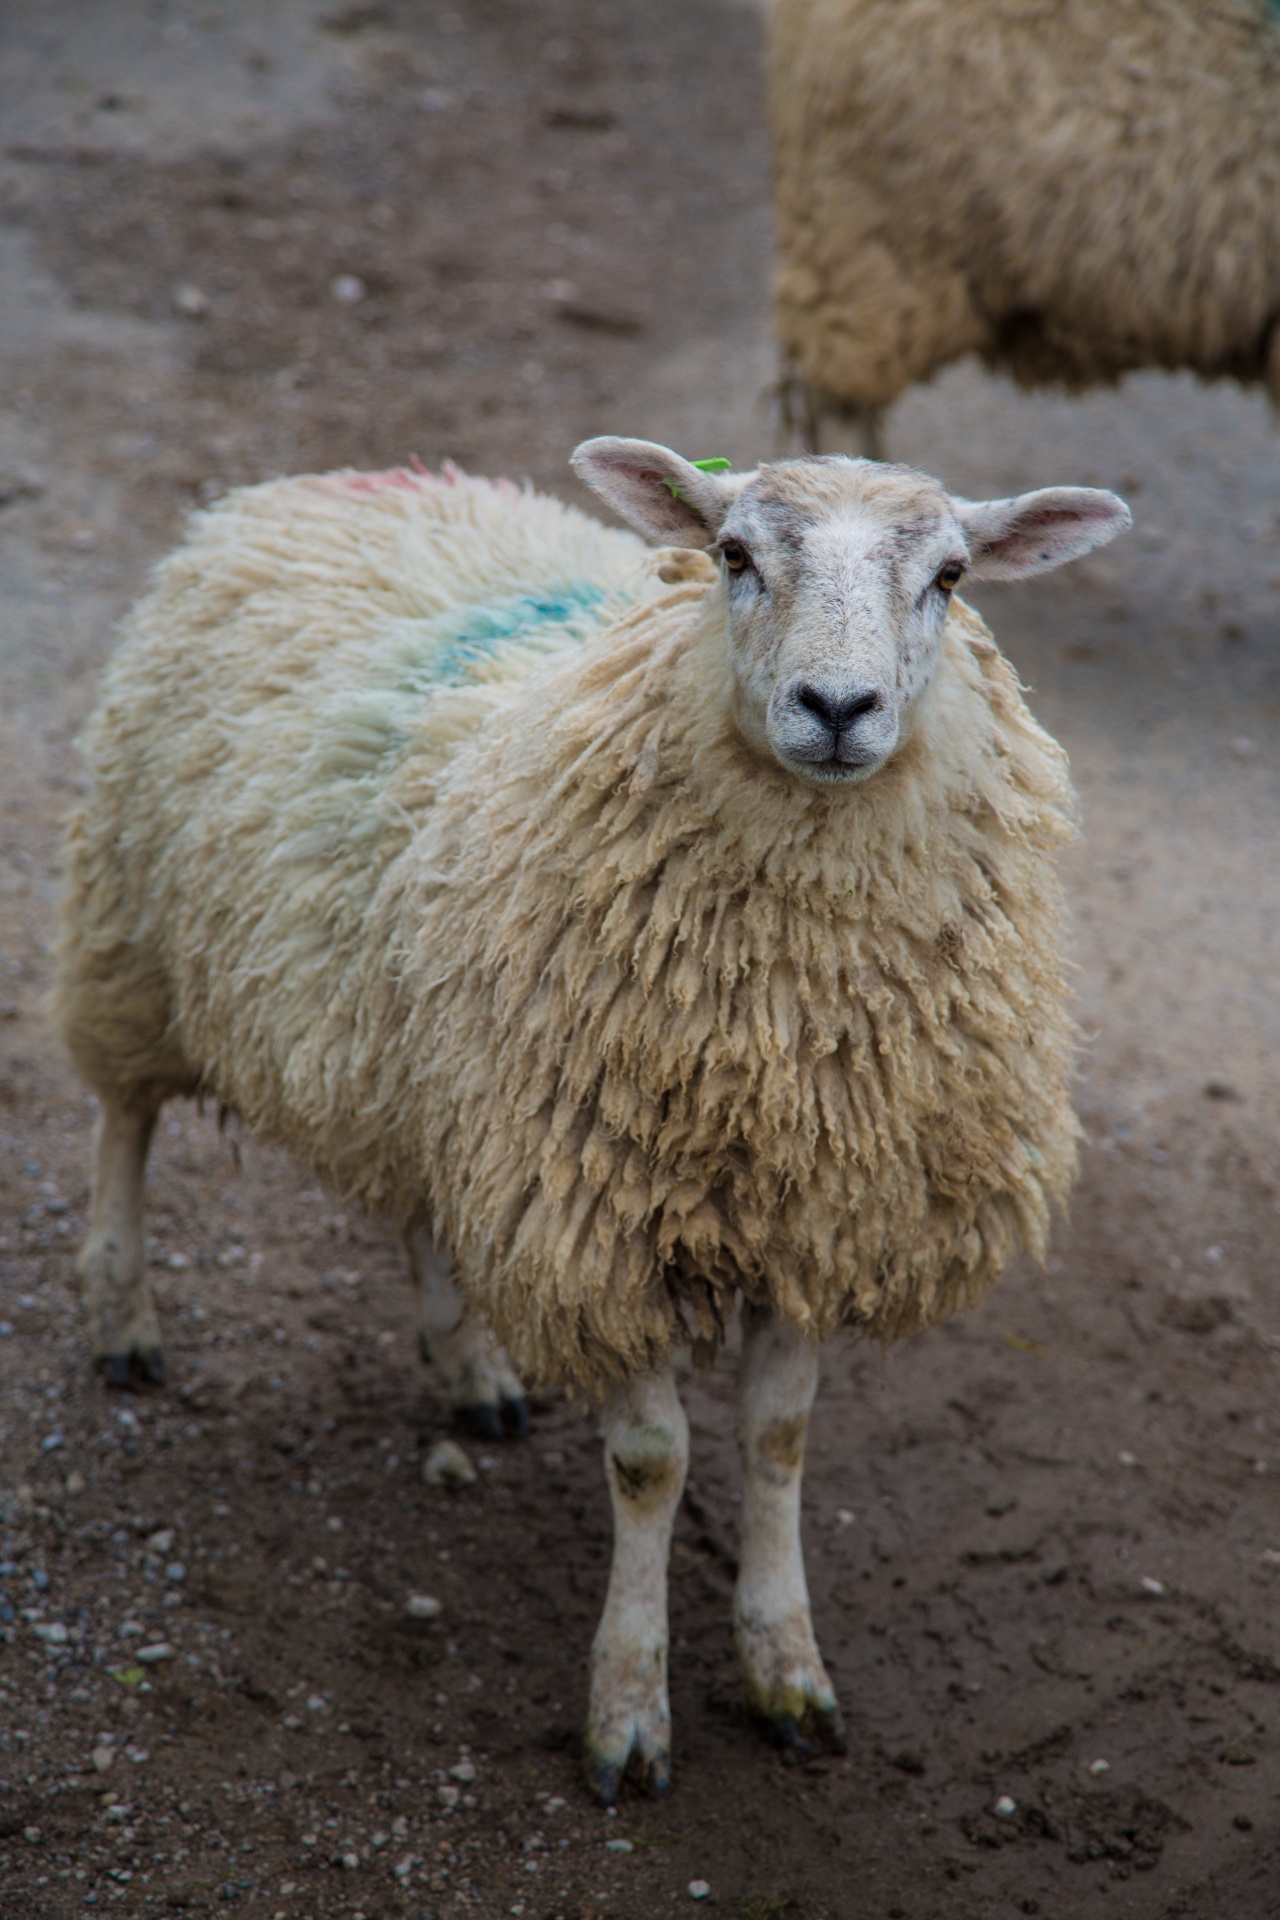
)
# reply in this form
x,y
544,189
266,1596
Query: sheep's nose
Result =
x,y
836,708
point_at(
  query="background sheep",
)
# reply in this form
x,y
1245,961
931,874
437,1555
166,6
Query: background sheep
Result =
x,y
1070,191
649,934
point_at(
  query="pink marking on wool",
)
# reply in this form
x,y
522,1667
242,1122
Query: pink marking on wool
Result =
x,y
409,479
391,479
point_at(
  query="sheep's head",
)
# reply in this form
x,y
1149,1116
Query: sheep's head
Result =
x,y
837,575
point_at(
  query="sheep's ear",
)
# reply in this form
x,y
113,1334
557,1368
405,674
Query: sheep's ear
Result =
x,y
1035,531
667,498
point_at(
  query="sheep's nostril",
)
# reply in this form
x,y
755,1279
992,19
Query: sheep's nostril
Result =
x,y
835,710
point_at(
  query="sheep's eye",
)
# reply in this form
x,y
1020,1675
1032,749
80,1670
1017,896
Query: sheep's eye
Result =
x,y
736,557
950,576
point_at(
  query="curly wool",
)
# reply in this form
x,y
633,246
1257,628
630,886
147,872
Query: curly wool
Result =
x,y
1070,191
546,956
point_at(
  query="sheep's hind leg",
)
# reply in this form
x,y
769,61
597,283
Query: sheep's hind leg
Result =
x,y
122,1318
786,1683
646,1453
834,428
484,1390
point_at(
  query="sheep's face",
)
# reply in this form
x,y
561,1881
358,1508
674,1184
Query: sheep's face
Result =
x,y
837,575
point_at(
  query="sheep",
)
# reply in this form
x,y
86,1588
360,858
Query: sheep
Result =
x,y
642,933
1072,192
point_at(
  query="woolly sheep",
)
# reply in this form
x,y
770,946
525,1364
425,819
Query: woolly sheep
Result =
x,y
643,932
1072,192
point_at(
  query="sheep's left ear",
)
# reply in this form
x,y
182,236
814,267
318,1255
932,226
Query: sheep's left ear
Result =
x,y
1035,531
662,495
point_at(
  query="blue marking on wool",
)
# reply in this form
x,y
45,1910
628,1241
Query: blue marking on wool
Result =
x,y
457,644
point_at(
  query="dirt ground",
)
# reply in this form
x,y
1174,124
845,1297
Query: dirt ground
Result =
x,y
1044,1542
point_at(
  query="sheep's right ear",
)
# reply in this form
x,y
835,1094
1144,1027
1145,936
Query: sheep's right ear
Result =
x,y
662,496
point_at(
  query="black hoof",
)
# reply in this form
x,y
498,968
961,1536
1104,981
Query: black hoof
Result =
x,y
482,1421
515,1414
604,1782
652,1776
786,1733
149,1363
141,1366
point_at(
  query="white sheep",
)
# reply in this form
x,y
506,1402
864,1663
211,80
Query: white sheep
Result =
x,y
652,932
1071,192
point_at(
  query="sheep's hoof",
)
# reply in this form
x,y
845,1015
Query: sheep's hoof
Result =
x,y
481,1420
818,1728
140,1366
508,1420
651,1772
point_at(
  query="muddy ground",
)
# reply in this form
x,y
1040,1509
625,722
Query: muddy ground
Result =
x,y
1044,1542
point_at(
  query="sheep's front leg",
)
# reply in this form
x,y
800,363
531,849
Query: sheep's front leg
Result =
x,y
484,1390
122,1318
786,1682
646,1452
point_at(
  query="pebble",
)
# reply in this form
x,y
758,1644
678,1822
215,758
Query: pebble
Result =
x,y
423,1606
102,1758
175,1573
446,1465
158,1651
1099,1766
699,1889
448,1796
620,1846
76,1483
40,1580
465,1771
1151,1586
161,1542
189,300
1243,747
53,1635
348,288
1005,1808
1128,1459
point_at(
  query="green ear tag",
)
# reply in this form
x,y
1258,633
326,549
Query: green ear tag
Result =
x,y
716,465
672,488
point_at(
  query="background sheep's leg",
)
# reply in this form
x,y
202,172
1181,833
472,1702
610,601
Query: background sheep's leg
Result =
x,y
122,1317
786,1682
646,1452
857,431
484,1390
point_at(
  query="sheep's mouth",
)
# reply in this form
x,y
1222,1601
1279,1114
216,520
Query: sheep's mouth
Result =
x,y
832,772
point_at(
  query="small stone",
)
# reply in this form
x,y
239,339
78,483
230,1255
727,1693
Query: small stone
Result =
x,y
620,1846
189,300
161,1542
1005,1808
351,1861
31,1834
40,1580
177,1262
102,1758
316,1703
154,1655
446,1465
1128,1459
1243,747
1151,1586
448,1796
1099,1766
403,1868
54,1634
465,1772
76,1483
348,288
699,1889
423,1606
334,1523
175,1573
1270,1557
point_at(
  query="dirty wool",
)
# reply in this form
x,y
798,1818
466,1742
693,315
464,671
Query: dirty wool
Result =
x,y
421,836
